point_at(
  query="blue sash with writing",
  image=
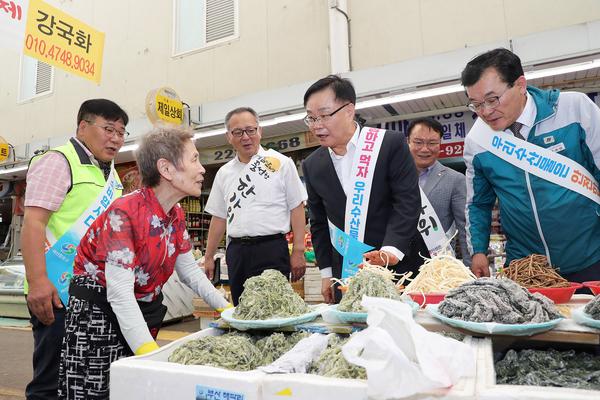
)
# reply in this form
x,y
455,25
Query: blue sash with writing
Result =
x,y
60,255
351,250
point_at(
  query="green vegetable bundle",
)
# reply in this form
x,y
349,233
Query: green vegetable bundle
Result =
x,y
367,282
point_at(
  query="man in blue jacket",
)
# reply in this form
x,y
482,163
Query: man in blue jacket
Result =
x,y
538,153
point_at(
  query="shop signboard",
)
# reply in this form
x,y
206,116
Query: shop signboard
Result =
x,y
58,39
164,105
283,144
13,15
455,127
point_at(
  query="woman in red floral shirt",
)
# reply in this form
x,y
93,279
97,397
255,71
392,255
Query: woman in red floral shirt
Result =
x,y
123,261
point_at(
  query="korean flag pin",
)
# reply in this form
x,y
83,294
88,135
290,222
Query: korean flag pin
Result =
x,y
549,140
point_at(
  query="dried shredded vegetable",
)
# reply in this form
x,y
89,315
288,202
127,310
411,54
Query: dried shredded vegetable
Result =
x,y
269,296
235,351
439,274
593,308
371,280
533,272
331,362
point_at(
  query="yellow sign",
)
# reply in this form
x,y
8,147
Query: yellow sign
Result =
x,y
58,39
4,152
284,392
164,104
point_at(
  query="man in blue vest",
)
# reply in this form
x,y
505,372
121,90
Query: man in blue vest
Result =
x,y
61,185
520,129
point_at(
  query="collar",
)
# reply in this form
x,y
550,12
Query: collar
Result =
x,y
261,152
151,200
527,117
351,144
427,170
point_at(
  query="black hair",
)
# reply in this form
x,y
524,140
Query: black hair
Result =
x,y
342,88
507,63
429,122
104,108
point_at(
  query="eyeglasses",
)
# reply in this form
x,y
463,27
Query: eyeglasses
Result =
x,y
421,143
251,131
310,120
110,130
490,102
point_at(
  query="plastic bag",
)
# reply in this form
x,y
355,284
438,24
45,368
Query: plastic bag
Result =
x,y
401,357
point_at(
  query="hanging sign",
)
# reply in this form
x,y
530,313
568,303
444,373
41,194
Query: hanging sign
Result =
x,y
13,15
164,105
58,39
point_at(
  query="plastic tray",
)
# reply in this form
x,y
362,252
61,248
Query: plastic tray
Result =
x,y
245,324
558,295
594,286
427,298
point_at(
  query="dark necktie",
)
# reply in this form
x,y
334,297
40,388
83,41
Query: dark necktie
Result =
x,y
105,167
515,128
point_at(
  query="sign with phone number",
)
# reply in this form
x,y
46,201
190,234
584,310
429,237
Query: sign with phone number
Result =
x,y
58,39
282,144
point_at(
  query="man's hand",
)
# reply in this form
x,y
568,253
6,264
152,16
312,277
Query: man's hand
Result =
x,y
379,257
209,267
41,299
480,265
327,290
297,264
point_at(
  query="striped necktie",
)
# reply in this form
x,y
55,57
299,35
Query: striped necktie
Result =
x,y
515,128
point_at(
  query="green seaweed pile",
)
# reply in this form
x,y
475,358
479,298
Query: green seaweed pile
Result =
x,y
549,368
331,362
235,351
269,296
366,282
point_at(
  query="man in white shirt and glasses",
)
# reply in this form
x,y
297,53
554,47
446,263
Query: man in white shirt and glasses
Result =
x,y
256,198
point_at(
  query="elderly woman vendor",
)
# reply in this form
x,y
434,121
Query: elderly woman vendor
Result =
x,y
123,261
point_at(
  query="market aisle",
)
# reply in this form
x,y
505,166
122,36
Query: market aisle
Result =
x,y
16,347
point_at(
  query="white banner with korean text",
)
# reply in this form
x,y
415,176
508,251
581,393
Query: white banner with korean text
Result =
x,y
431,229
541,162
363,169
13,18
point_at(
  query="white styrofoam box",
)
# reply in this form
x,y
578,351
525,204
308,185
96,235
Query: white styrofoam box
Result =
x,y
487,389
307,386
151,376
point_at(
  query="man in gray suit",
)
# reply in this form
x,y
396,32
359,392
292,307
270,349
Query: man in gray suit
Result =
x,y
445,188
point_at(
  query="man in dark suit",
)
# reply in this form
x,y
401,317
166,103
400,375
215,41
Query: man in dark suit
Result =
x,y
394,207
445,188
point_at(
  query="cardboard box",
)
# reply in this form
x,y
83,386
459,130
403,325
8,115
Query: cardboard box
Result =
x,y
152,377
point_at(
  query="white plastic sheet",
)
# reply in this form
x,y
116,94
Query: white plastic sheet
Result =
x,y
401,357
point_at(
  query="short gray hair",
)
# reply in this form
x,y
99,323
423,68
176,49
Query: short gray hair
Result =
x,y
240,110
160,142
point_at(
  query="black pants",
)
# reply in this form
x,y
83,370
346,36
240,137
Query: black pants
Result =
x,y
248,259
591,273
47,341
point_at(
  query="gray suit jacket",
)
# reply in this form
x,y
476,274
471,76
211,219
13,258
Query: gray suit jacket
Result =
x,y
446,189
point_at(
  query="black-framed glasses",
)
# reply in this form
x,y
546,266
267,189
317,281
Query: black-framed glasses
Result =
x,y
490,102
310,120
421,143
110,130
250,131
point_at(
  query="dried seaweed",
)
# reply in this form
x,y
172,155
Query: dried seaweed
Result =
x,y
235,351
549,368
367,282
497,300
331,362
593,308
269,296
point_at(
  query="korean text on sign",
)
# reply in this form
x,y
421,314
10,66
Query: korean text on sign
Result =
x,y
56,38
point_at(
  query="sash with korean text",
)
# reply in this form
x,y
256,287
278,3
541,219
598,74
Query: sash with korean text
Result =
x,y
357,202
541,162
60,254
431,229
253,179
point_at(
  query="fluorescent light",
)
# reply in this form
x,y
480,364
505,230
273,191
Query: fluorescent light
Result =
x,y
129,147
409,96
565,69
14,170
282,119
213,132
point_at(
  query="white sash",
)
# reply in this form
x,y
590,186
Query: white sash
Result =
x,y
432,230
538,161
363,169
253,179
